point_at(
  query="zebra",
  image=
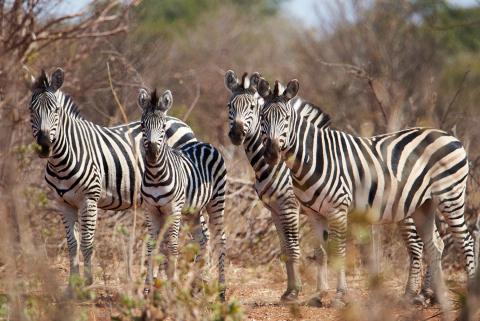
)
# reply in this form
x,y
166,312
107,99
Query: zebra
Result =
x,y
244,128
386,178
273,183
89,166
180,181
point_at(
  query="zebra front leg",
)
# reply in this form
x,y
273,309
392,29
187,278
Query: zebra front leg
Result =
x,y
286,223
424,219
69,219
155,221
427,294
415,251
320,231
216,225
337,225
88,221
170,244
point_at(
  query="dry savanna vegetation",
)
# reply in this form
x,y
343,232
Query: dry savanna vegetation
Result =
x,y
374,66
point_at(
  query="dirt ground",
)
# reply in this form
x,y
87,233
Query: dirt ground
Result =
x,y
258,291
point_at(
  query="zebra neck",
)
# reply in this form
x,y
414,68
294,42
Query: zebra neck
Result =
x,y
160,172
62,146
298,153
254,149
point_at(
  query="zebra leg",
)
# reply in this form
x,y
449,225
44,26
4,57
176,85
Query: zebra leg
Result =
x,y
155,220
171,238
320,231
286,219
216,209
452,207
337,225
427,294
415,251
424,219
69,219
202,236
88,221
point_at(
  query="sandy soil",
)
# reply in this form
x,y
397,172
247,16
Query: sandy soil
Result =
x,y
259,293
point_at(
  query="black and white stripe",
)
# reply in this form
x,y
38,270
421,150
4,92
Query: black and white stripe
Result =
x,y
386,178
89,166
180,181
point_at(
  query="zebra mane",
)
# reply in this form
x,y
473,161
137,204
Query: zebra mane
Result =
x,y
311,113
68,105
42,82
154,98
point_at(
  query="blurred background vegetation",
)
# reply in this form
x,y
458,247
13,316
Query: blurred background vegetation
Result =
x,y
372,65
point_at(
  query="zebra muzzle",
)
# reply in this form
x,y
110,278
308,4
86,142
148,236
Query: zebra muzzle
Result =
x,y
272,151
236,133
44,142
152,152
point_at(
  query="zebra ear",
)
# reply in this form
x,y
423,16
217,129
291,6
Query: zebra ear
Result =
x,y
231,80
165,101
264,88
292,89
143,98
57,79
254,80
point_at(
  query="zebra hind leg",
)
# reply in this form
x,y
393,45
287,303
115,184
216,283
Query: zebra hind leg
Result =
x,y
201,236
216,209
88,221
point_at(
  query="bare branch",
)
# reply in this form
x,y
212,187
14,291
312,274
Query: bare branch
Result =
x,y
457,92
193,104
360,73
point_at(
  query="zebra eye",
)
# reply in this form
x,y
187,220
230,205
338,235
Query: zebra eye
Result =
x,y
229,105
252,106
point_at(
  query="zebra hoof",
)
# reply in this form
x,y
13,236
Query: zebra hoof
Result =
x,y
430,297
419,300
221,296
318,300
338,303
146,292
290,296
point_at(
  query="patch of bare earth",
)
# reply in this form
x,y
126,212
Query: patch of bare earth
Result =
x,y
259,289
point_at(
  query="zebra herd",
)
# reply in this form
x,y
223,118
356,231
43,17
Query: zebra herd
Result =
x,y
301,164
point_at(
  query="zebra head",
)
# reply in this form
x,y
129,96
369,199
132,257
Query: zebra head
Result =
x,y
276,116
243,106
154,109
44,110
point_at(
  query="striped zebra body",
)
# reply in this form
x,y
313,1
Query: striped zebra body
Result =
x,y
89,166
180,181
274,184
387,178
